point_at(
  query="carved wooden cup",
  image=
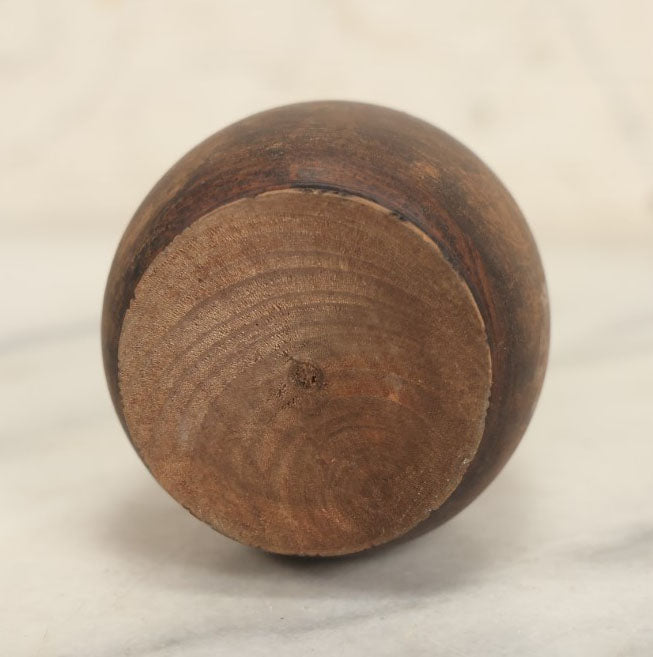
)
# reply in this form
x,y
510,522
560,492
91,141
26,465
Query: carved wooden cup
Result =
x,y
325,324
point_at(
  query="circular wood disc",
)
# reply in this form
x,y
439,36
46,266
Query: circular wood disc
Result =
x,y
305,372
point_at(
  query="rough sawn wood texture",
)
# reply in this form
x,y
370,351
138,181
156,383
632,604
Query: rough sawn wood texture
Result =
x,y
325,324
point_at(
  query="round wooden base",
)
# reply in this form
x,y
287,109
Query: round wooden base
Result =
x,y
305,371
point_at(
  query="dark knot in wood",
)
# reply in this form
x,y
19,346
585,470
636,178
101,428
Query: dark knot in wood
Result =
x,y
307,375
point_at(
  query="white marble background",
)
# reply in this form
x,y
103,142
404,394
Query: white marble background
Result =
x,y
97,99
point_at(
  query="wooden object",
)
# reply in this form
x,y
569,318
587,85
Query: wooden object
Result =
x,y
325,324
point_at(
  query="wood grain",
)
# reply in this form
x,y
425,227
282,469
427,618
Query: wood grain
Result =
x,y
458,238
305,372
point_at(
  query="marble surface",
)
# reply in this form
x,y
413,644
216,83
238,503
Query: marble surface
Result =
x,y
98,98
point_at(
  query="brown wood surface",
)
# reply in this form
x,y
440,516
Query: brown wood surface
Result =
x,y
458,238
